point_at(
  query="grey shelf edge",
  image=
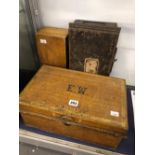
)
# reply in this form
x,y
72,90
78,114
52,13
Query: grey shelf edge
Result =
x,y
60,145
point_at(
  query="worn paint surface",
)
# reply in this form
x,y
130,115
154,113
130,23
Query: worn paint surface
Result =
x,y
95,40
44,103
51,45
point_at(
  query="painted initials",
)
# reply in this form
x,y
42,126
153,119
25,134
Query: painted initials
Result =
x,y
81,90
76,89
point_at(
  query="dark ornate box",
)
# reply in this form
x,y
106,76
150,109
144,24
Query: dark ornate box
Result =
x,y
92,46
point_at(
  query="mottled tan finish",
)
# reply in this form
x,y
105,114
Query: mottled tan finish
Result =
x,y
44,104
53,52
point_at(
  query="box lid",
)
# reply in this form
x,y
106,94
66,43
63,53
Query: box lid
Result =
x,y
53,31
89,100
103,29
96,23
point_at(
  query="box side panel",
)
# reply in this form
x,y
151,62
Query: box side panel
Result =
x,y
51,50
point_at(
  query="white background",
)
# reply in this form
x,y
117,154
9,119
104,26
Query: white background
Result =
x,y
145,78
58,13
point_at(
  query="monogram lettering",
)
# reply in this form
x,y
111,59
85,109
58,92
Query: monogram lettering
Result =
x,y
70,87
76,89
81,90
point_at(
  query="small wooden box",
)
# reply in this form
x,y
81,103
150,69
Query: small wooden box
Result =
x,y
52,46
80,105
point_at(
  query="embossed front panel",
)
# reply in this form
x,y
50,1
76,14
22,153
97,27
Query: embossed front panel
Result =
x,y
90,42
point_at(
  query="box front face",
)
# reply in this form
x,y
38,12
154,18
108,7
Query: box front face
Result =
x,y
77,132
86,99
91,44
52,50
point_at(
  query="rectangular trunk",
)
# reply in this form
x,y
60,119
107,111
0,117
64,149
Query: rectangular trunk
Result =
x,y
52,46
80,105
